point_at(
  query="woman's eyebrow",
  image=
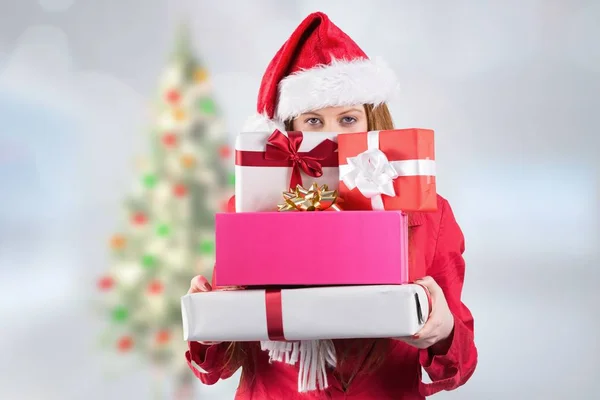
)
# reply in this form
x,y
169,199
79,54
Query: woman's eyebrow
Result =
x,y
352,109
312,113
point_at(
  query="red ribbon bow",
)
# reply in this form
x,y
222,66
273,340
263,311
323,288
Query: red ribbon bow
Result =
x,y
285,148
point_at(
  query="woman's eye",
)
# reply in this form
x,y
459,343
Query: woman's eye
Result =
x,y
348,120
313,121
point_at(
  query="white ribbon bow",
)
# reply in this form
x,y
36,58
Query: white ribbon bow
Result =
x,y
373,174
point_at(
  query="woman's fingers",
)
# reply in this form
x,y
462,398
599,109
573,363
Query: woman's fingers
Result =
x,y
199,284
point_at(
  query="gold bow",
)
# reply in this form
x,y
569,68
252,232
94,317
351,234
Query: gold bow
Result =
x,y
314,198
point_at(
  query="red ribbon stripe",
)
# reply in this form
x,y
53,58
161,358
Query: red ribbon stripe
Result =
x,y
274,309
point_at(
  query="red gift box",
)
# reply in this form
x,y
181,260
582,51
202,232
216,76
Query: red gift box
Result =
x,y
388,170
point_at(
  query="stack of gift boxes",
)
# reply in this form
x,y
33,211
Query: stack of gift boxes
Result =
x,y
317,247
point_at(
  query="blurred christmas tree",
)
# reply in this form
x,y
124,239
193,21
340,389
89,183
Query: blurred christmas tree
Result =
x,y
168,233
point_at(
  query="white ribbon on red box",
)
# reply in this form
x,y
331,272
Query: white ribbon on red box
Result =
x,y
373,174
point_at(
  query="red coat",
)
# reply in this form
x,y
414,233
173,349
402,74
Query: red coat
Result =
x,y
438,243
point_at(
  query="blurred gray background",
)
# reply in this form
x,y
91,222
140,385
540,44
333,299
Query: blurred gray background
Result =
x,y
511,88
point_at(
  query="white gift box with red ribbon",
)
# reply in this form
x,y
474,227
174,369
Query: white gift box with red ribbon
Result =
x,y
339,312
270,163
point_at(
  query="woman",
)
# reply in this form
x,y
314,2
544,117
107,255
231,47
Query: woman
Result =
x,y
321,81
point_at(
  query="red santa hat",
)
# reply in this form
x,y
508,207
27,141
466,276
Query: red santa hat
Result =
x,y
318,66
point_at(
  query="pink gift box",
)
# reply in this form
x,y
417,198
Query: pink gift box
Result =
x,y
311,248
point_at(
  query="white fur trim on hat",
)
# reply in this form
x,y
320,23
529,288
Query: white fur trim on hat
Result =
x,y
341,83
262,123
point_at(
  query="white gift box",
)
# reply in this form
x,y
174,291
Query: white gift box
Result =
x,y
260,180
341,312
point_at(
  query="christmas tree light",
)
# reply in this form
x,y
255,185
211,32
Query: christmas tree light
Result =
x,y
163,230
188,161
173,96
139,218
106,283
224,152
125,344
179,114
163,337
207,247
179,190
148,261
207,106
150,181
200,75
155,287
169,139
120,314
117,242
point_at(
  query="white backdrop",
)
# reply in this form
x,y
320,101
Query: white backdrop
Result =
x,y
510,87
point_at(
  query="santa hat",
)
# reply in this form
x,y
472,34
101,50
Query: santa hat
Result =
x,y
318,66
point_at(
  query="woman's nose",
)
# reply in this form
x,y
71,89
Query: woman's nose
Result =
x,y
330,126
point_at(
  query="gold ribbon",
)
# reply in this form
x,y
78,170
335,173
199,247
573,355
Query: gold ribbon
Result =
x,y
315,198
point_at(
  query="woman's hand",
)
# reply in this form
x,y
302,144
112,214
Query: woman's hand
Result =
x,y
200,284
437,332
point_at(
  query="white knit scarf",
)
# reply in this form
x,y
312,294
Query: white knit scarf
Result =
x,y
314,357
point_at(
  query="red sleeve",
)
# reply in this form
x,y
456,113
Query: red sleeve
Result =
x,y
208,361
453,369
